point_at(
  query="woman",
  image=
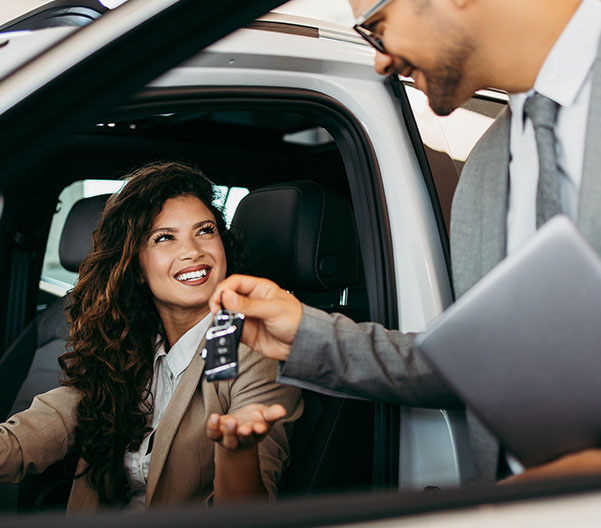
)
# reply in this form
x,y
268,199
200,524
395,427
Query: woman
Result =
x,y
149,429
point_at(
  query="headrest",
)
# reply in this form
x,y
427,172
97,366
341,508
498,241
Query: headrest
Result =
x,y
76,238
300,235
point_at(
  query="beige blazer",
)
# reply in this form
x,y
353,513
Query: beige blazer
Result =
x,y
182,464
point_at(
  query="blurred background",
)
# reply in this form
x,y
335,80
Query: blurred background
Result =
x,y
331,10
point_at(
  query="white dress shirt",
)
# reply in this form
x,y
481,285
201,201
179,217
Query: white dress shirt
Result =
x,y
168,370
565,77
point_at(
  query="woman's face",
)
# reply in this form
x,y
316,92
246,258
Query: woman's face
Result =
x,y
183,259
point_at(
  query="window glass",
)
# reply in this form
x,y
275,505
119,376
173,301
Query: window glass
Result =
x,y
312,136
232,197
55,279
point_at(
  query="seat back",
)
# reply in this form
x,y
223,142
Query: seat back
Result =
x,y
303,236
30,366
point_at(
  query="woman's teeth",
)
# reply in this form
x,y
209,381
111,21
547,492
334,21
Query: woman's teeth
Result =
x,y
193,275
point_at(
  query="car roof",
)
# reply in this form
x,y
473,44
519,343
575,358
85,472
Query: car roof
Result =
x,y
17,47
108,60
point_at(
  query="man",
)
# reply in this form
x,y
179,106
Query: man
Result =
x,y
540,158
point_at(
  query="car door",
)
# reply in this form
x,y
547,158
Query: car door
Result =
x,y
64,88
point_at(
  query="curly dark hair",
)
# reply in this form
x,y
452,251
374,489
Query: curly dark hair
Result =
x,y
114,323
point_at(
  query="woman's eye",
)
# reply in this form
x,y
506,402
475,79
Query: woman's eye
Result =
x,y
207,229
161,237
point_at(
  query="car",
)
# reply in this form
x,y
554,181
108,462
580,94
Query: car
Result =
x,y
282,103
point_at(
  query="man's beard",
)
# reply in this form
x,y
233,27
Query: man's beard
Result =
x,y
444,83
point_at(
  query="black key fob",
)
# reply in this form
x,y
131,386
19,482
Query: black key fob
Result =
x,y
221,347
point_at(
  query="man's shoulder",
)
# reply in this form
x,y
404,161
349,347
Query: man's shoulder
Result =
x,y
493,145
495,137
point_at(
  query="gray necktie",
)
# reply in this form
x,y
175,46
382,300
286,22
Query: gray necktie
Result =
x,y
543,113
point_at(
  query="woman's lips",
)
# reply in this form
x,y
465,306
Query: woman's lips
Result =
x,y
193,276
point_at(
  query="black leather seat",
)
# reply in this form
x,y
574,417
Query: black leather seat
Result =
x,y
30,365
299,234
303,236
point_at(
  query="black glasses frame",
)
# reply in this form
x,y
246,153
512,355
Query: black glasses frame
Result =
x,y
373,39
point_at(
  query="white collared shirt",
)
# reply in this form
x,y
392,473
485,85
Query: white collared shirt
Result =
x,y
168,370
565,77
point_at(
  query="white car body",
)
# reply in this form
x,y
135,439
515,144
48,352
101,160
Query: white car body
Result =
x,y
334,62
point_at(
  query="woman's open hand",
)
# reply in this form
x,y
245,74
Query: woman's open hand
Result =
x,y
245,427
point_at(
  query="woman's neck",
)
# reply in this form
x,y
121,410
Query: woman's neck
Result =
x,y
176,325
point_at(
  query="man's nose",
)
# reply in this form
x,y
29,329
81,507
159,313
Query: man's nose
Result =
x,y
384,63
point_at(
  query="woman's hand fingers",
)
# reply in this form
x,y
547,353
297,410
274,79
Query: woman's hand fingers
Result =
x,y
273,413
229,430
245,427
214,427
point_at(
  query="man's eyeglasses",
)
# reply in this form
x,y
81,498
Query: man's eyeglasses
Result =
x,y
361,28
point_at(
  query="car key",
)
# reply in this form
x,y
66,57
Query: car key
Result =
x,y
221,347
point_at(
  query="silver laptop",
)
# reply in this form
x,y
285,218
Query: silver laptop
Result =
x,y
523,346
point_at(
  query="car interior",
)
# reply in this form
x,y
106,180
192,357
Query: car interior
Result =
x,y
296,159
297,222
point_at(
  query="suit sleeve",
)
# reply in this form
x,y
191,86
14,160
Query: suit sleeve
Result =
x,y
256,383
334,355
33,439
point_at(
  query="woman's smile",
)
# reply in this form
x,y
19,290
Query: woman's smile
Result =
x,y
194,275
183,259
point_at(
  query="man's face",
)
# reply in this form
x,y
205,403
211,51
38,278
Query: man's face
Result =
x,y
427,41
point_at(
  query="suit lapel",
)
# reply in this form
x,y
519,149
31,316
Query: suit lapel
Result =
x,y
172,418
492,248
478,234
493,214
479,219
589,219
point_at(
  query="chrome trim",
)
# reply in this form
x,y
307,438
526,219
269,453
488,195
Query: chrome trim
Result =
x,y
283,23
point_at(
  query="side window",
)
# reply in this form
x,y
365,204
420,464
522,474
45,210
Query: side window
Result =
x,y
55,279
449,140
230,198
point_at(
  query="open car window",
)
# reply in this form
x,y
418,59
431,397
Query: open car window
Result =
x,y
265,136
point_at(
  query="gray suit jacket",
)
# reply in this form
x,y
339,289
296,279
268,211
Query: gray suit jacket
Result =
x,y
365,360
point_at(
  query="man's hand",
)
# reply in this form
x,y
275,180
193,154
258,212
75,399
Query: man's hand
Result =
x,y
245,427
583,463
272,315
